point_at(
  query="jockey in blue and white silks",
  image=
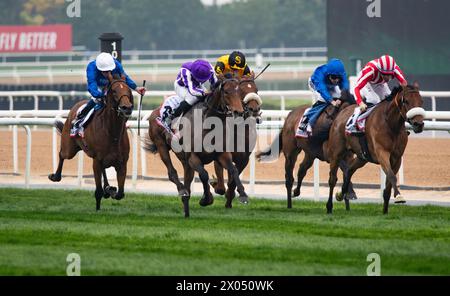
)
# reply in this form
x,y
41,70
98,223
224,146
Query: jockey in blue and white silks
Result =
x,y
97,72
326,84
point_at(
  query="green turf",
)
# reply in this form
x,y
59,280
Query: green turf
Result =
x,y
147,235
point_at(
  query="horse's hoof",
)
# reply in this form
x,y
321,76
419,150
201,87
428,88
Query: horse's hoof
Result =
x,y
219,191
339,196
296,192
54,177
399,199
243,199
118,196
205,201
228,206
351,196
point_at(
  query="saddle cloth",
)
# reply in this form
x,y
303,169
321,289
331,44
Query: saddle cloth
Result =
x,y
88,117
168,107
298,132
360,120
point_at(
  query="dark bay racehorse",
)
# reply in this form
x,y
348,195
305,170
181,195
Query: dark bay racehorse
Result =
x,y
222,103
386,139
248,92
313,146
105,140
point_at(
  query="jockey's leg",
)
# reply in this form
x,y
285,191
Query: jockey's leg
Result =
x,y
80,117
351,125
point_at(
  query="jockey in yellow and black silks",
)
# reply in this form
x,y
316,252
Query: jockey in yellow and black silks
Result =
x,y
233,63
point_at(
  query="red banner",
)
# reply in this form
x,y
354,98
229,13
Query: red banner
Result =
x,y
44,38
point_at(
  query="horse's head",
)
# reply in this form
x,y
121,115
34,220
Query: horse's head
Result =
x,y
226,98
250,98
119,95
409,103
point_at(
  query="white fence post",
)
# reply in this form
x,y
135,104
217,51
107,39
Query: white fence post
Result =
x,y
28,158
316,180
80,168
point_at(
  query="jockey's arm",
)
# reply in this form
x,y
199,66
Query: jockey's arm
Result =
x,y
128,80
92,85
247,72
398,73
318,80
187,81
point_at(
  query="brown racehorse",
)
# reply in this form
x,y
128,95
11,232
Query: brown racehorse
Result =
x,y
386,139
105,140
222,103
313,146
252,106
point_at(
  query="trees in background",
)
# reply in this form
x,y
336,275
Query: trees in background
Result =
x,y
181,24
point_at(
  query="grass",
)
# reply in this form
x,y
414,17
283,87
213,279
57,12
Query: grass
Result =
x,y
147,235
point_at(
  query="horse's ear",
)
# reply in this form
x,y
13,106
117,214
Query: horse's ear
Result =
x,y
252,75
221,76
416,85
123,77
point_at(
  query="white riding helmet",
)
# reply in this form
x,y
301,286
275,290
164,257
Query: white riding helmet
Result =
x,y
105,62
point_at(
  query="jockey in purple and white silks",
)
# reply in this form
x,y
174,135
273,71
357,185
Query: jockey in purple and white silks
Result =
x,y
190,87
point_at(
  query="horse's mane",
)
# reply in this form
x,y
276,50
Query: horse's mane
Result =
x,y
398,89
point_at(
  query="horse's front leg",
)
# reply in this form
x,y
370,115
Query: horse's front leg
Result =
x,y
108,190
121,171
240,166
226,160
197,165
384,160
218,185
98,170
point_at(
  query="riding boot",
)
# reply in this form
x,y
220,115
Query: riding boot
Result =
x,y
76,129
89,105
181,109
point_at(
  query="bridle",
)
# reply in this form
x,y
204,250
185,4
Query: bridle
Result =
x,y
222,108
247,112
116,103
404,92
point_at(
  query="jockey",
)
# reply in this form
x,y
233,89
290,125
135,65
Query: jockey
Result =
x,y
190,87
372,85
97,72
233,63
326,84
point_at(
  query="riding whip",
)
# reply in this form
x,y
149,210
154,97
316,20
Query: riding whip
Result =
x,y
262,71
139,112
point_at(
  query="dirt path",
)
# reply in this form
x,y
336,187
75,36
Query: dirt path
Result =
x,y
426,162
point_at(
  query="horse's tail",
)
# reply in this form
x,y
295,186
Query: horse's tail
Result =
x,y
273,152
58,124
148,144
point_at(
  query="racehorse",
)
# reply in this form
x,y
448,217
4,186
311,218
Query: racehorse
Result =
x,y
386,137
222,103
314,146
105,140
248,92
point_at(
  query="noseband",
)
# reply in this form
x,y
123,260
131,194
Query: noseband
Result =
x,y
402,102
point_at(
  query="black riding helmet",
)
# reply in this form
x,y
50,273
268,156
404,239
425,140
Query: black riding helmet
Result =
x,y
236,60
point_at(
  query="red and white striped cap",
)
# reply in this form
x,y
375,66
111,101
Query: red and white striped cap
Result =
x,y
386,64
